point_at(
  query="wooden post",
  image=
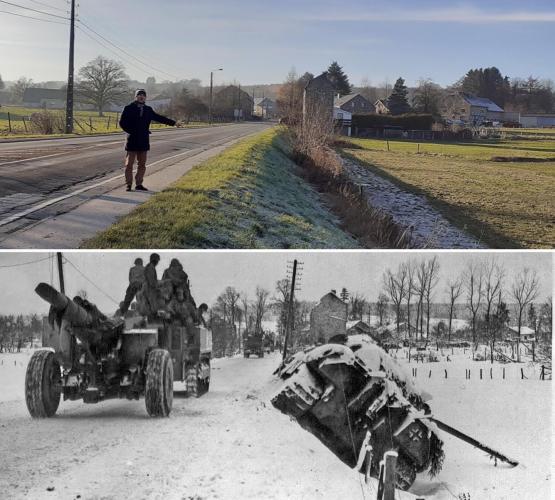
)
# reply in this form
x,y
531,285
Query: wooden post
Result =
x,y
418,148
491,373
503,373
90,123
390,459
480,374
109,119
446,373
24,124
430,374
387,145
9,122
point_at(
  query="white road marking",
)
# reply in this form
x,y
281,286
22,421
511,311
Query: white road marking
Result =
x,y
47,203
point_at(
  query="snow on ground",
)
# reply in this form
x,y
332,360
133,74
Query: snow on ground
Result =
x,y
430,228
232,444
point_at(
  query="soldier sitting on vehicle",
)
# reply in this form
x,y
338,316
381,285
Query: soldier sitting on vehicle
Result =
x,y
176,275
136,280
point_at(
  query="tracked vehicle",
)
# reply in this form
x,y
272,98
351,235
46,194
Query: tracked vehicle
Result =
x,y
359,402
91,357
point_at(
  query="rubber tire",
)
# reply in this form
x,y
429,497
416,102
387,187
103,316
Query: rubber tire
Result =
x,y
43,384
159,383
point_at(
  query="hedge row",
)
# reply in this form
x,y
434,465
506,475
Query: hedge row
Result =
x,y
406,122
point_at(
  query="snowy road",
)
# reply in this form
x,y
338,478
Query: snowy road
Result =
x,y
231,444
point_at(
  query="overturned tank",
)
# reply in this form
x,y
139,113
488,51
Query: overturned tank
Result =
x,y
360,403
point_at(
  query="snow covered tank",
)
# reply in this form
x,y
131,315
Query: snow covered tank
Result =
x,y
347,393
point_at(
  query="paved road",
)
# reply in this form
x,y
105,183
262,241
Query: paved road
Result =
x,y
44,178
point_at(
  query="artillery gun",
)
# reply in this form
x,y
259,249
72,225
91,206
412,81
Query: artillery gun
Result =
x,y
359,402
93,357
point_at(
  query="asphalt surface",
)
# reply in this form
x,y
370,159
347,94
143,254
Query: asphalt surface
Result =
x,y
41,179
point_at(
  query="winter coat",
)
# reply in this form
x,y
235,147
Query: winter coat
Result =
x,y
136,122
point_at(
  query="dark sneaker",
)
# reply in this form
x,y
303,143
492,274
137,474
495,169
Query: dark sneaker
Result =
x,y
140,187
128,187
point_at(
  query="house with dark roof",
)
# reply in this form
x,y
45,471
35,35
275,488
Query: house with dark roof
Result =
x,y
381,107
35,97
354,104
265,108
465,108
232,103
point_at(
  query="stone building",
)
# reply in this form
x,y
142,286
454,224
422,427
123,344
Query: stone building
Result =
x,y
318,100
232,103
461,107
355,104
328,318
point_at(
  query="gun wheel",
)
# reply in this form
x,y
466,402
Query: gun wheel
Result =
x,y
159,383
43,384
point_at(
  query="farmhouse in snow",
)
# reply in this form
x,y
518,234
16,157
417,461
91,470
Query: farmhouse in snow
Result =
x,y
328,318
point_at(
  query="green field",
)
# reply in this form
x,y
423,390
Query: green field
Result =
x,y
250,196
86,122
499,190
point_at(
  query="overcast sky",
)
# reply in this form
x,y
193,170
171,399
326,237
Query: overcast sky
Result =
x,y
210,272
258,41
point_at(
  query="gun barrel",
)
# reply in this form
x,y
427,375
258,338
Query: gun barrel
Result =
x,y
467,439
74,313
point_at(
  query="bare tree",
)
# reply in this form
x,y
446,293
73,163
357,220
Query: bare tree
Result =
x,y
454,288
433,277
357,304
381,306
420,286
102,82
411,279
524,291
396,288
474,286
427,97
260,308
493,282
19,87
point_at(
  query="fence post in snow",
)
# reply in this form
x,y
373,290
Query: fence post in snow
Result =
x,y
503,373
446,373
430,374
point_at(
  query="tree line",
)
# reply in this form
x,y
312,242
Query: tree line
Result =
x,y
517,94
18,330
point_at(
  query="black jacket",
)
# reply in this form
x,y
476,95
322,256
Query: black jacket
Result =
x,y
137,125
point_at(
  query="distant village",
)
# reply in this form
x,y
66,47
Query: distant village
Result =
x,y
483,97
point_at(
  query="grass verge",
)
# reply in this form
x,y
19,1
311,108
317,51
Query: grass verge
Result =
x,y
250,196
508,204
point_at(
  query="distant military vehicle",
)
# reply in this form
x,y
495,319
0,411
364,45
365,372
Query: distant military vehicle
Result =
x,y
93,357
352,393
253,344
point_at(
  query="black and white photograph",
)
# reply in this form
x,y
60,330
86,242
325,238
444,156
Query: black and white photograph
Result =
x,y
196,375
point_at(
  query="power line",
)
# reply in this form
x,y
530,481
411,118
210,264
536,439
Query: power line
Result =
x,y
48,5
126,52
24,263
94,39
90,281
34,18
33,10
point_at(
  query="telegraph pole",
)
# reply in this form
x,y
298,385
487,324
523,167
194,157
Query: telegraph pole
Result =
x,y
69,101
290,310
211,94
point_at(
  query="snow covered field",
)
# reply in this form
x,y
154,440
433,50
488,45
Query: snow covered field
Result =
x,y
231,443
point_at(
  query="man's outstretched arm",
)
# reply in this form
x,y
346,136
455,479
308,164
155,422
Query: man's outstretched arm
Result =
x,y
162,119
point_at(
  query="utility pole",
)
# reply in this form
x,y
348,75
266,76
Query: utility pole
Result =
x,y
290,309
211,94
69,101
61,272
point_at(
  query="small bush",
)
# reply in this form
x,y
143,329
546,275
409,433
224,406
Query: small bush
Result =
x,y
47,122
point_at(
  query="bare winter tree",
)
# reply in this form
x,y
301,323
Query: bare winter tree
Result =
x,y
281,298
260,307
474,287
420,286
411,280
245,304
493,282
396,288
432,266
381,306
454,288
19,87
357,304
524,291
102,82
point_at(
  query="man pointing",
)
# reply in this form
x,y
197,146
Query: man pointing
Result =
x,y
135,120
